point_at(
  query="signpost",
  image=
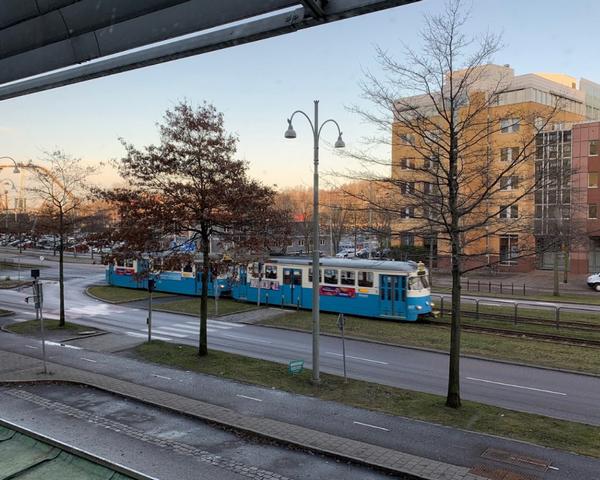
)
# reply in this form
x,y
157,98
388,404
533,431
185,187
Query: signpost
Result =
x,y
149,320
341,323
38,299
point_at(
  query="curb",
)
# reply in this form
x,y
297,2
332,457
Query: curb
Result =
x,y
77,452
433,350
281,439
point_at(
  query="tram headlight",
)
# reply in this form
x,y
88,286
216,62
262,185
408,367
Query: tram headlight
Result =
x,y
432,304
419,307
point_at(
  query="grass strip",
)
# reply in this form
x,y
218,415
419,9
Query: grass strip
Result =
x,y
585,299
19,266
192,306
8,283
534,352
32,327
121,294
570,436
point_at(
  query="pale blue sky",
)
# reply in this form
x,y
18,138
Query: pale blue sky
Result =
x,y
258,85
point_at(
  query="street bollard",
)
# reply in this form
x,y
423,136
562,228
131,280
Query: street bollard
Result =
x,y
477,310
500,288
490,287
442,306
512,288
478,286
516,309
523,289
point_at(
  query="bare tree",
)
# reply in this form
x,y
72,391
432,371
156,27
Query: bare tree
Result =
x,y
62,188
450,178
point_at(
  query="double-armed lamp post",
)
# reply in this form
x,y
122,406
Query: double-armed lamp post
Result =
x,y
316,130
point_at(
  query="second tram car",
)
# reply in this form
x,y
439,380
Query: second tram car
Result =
x,y
369,288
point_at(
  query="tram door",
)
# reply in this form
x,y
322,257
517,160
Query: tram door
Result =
x,y
392,295
292,289
242,282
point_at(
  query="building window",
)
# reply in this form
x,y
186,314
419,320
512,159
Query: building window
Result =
x,y
407,212
509,125
509,183
348,277
407,188
429,162
300,242
365,279
509,211
427,188
593,211
406,163
593,148
592,180
509,154
330,276
509,249
407,240
407,138
322,241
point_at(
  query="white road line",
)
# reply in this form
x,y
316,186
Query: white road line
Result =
x,y
141,335
218,322
249,398
161,331
358,358
56,344
195,329
220,327
247,339
551,467
31,346
371,426
161,376
89,360
516,386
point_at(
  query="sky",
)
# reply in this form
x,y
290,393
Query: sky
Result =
x,y
258,85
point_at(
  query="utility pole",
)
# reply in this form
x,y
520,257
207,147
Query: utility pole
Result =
x,y
38,299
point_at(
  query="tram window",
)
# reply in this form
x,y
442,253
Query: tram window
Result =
x,y
287,276
310,275
365,279
331,276
188,267
271,272
417,283
297,278
348,277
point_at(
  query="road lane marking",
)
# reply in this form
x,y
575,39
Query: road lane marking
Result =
x,y
249,398
171,334
371,426
56,344
218,322
161,376
31,346
551,467
516,386
357,358
141,335
89,360
247,339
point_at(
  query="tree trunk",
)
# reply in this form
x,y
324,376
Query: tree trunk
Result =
x,y
203,343
453,397
555,292
430,261
61,275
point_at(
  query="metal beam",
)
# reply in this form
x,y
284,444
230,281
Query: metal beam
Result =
x,y
190,16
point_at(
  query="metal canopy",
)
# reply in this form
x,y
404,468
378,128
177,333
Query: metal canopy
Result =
x,y
42,36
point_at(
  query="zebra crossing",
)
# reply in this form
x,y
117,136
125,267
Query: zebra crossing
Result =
x,y
178,331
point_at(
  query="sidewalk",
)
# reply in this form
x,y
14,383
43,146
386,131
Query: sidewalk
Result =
x,y
18,368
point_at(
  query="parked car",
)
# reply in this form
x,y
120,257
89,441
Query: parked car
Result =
x,y
593,281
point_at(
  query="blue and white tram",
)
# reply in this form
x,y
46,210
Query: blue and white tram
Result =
x,y
370,288
131,273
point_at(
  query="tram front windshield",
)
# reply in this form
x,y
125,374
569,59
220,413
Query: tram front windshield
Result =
x,y
418,283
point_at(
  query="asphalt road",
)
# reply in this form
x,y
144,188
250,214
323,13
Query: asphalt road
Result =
x,y
547,392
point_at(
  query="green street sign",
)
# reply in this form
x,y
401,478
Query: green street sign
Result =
x,y
295,366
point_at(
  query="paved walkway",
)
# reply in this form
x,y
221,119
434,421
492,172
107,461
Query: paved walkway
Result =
x,y
19,368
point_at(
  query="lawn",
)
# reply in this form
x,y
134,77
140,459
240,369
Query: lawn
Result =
x,y
192,306
591,299
534,352
122,295
570,436
32,327
7,283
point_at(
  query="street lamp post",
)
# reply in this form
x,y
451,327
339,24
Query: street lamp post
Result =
x,y
16,169
316,273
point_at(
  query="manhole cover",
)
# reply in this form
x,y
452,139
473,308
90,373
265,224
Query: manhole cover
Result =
x,y
499,474
515,459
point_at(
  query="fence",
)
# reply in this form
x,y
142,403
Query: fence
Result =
x,y
515,312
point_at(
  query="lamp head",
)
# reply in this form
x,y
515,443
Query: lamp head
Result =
x,y
290,132
16,170
339,143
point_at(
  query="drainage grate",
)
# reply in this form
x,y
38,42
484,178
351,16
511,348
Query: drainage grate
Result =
x,y
499,474
515,459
